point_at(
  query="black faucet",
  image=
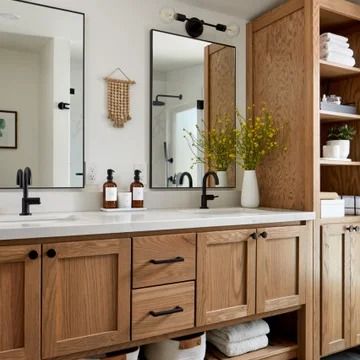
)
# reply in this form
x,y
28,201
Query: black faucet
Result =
x,y
181,181
23,180
204,196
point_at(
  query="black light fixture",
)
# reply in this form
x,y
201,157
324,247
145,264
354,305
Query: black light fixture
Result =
x,y
194,26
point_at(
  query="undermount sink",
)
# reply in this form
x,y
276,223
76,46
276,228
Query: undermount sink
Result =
x,y
37,218
223,211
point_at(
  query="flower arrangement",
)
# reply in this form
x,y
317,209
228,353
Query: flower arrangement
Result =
x,y
344,132
215,147
256,137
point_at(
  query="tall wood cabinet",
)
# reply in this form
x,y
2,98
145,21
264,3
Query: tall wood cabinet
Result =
x,y
285,72
20,300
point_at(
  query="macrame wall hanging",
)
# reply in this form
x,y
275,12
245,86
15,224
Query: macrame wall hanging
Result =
x,y
118,99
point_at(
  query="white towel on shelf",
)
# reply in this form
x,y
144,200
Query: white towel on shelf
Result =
x,y
329,46
339,59
243,331
343,45
326,53
333,37
242,347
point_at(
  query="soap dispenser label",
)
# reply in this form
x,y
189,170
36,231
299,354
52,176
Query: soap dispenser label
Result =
x,y
138,194
111,194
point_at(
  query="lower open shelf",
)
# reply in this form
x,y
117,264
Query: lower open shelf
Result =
x,y
284,350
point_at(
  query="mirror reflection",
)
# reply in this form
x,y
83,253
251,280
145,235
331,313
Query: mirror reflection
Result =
x,y
193,84
41,94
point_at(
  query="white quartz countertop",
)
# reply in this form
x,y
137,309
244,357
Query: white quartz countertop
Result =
x,y
91,223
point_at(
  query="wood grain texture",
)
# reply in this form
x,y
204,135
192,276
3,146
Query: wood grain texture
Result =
x,y
86,296
281,268
225,276
341,7
20,281
220,90
161,298
335,289
278,58
355,288
159,248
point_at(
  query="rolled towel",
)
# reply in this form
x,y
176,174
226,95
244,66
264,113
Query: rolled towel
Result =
x,y
341,44
339,59
242,347
333,37
242,331
325,53
329,46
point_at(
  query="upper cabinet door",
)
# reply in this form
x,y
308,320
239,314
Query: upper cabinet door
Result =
x,y
335,289
225,276
355,287
20,283
86,295
281,267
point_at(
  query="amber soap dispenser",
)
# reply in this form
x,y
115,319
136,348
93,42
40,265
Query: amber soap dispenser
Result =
x,y
137,191
110,196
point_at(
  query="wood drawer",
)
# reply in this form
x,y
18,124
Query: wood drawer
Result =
x,y
164,259
162,309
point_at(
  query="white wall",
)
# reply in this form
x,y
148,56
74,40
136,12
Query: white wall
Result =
x,y
117,34
20,71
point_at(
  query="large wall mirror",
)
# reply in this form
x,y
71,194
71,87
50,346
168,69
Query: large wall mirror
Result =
x,y
192,83
41,94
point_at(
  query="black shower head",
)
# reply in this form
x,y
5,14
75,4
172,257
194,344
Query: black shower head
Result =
x,y
157,102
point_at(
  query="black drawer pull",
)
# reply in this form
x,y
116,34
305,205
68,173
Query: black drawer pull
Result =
x,y
176,309
167,261
350,228
51,253
254,235
357,228
264,235
33,255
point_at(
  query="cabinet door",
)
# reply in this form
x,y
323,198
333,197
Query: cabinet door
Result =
x,y
20,283
335,289
86,295
281,267
355,287
225,276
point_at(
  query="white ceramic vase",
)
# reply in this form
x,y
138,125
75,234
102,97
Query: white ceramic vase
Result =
x,y
344,147
223,179
250,196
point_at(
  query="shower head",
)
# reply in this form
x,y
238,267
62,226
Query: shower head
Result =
x,y
157,102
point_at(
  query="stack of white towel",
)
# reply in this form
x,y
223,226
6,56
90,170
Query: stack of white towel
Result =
x,y
240,339
336,48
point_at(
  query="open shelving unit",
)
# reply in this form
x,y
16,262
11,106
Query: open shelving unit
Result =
x,y
324,162
332,116
330,70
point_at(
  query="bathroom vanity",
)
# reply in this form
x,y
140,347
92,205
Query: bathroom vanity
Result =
x,y
82,284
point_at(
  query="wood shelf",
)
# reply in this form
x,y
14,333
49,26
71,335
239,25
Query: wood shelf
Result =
x,y
329,70
332,116
347,219
339,163
284,351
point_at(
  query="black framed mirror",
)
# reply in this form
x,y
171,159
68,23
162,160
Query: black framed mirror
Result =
x,y
192,82
42,85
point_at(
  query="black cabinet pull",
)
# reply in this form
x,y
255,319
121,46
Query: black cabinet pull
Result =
x,y
350,228
51,253
264,234
176,309
254,236
357,228
167,261
33,255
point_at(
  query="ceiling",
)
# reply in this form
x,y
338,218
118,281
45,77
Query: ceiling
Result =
x,y
244,9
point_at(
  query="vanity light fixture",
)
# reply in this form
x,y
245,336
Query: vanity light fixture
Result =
x,y
194,26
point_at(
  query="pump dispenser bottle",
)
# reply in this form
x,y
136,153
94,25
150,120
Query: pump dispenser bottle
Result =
x,y
110,199
137,191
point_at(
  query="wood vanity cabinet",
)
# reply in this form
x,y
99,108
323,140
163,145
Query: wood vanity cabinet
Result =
x,y
247,271
20,300
340,292
86,295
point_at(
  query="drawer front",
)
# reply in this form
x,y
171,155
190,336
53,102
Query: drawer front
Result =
x,y
164,259
162,309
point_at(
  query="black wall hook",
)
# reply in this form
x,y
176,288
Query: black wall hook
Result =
x,y
64,106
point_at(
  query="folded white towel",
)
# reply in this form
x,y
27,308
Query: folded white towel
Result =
x,y
243,331
330,46
335,37
326,53
341,44
339,59
242,347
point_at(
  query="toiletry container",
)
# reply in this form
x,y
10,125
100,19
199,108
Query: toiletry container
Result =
x,y
184,348
110,194
137,191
